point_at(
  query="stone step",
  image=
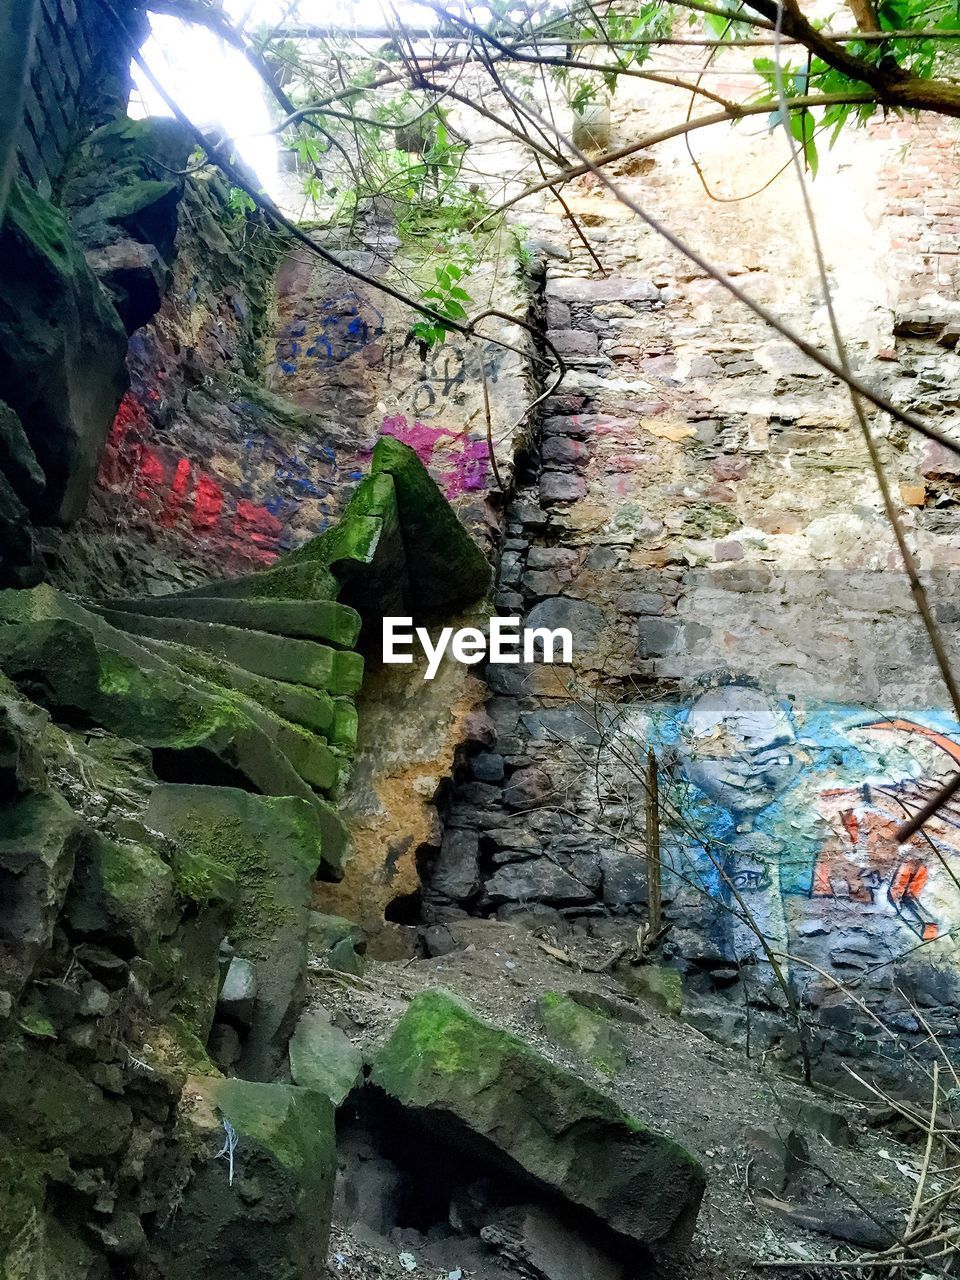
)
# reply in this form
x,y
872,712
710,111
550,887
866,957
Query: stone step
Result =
x,y
278,657
305,619
310,580
313,709
365,550
72,661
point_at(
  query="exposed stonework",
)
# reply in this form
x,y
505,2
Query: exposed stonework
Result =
x,y
163,818
700,513
79,77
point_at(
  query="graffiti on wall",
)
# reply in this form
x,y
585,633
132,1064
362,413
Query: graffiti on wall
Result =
x,y
459,463
274,495
444,377
324,335
339,328
176,491
795,806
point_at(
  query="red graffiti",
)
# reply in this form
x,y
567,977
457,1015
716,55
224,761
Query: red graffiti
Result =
x,y
256,523
207,504
172,488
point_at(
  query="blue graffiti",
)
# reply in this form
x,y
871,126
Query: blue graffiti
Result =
x,y
342,327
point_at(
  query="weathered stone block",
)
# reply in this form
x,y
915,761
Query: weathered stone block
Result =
x,y
562,451
277,657
527,788
659,637
461,1076
62,350
456,873
267,843
610,289
39,838
304,619
263,1208
574,342
18,462
624,881
322,1058
561,486
536,880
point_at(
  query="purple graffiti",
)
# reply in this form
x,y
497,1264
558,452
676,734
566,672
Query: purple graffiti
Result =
x,y
463,466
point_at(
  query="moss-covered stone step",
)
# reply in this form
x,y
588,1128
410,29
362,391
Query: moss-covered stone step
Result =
x,y
364,550
475,1084
263,1209
71,660
399,543
310,755
305,619
345,725
313,709
354,539
279,657
268,844
309,580
445,566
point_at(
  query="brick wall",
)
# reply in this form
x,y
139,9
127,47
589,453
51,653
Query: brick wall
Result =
x,y
79,77
918,185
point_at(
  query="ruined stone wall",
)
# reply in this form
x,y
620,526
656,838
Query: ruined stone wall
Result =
x,y
254,451
79,78
700,513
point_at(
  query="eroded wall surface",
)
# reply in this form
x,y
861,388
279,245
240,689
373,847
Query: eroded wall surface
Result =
x,y
702,516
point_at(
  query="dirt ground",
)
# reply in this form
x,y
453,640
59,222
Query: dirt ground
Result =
x,y
735,1114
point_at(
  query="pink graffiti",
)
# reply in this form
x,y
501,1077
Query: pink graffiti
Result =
x,y
463,467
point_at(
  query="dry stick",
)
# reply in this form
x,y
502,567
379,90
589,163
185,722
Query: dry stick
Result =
x,y
948,1136
488,417
817,1264
652,806
541,337
928,1151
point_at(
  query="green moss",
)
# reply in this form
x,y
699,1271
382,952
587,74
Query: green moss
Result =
x,y
587,1034
202,879
295,1125
710,520
187,1053
345,723
131,873
37,1025
658,985
134,195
